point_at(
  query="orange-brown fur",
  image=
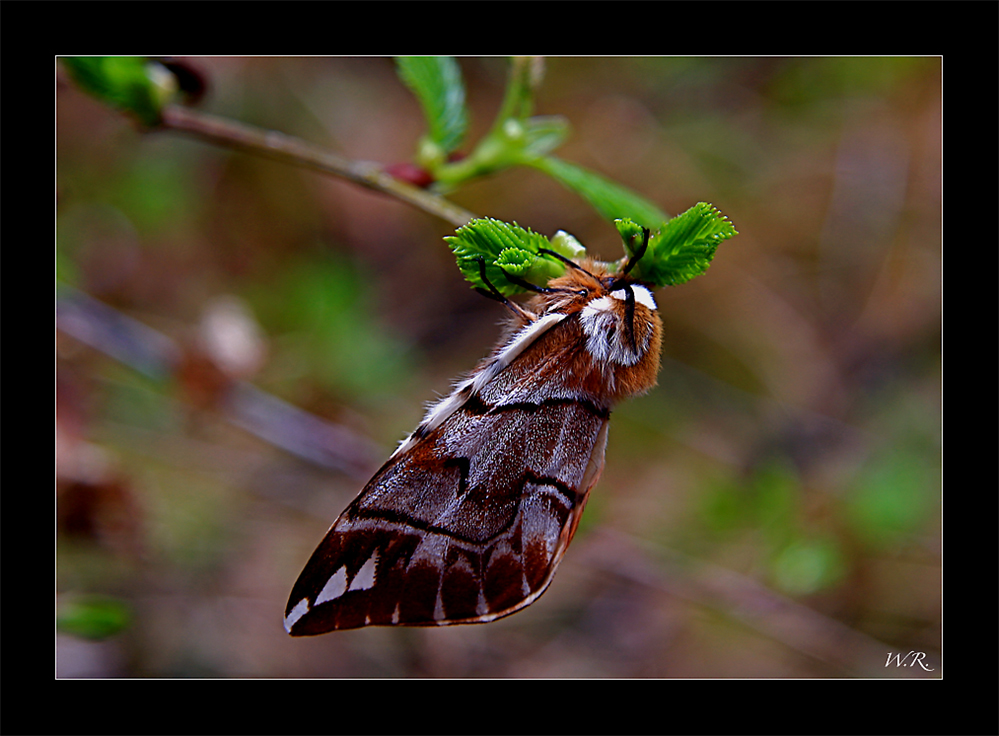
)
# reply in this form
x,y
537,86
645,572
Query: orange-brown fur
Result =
x,y
568,345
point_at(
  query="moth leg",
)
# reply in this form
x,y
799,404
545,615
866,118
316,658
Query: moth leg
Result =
x,y
493,293
526,284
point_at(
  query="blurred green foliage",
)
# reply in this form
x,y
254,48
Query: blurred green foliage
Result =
x,y
153,189
826,78
892,497
92,617
767,505
321,313
133,84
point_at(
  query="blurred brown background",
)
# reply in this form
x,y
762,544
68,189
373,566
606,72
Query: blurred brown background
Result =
x,y
772,509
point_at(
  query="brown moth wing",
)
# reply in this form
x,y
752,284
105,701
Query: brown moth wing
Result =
x,y
468,524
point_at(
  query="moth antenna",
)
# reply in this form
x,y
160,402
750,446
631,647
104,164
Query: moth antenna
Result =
x,y
548,290
638,253
629,294
494,293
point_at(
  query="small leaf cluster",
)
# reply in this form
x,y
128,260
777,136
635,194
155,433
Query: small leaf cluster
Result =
x,y
675,253
133,84
502,248
682,249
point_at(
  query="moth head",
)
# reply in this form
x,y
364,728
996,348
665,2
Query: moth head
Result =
x,y
618,315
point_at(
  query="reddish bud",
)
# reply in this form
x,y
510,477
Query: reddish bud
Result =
x,y
411,174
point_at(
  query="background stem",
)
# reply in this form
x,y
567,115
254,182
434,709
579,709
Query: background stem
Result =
x,y
290,150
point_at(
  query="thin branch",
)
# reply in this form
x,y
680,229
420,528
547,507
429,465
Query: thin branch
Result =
x,y
316,440
290,150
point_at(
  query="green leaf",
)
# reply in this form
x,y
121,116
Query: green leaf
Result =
x,y
526,73
436,82
502,246
516,261
610,199
566,245
133,84
514,137
93,617
543,134
631,233
320,305
684,247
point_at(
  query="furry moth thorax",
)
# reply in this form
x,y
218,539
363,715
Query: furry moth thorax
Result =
x,y
611,330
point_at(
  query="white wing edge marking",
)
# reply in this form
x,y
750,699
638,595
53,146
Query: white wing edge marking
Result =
x,y
335,587
517,344
365,577
301,608
440,411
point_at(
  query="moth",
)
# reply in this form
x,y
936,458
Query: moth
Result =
x,y
469,518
